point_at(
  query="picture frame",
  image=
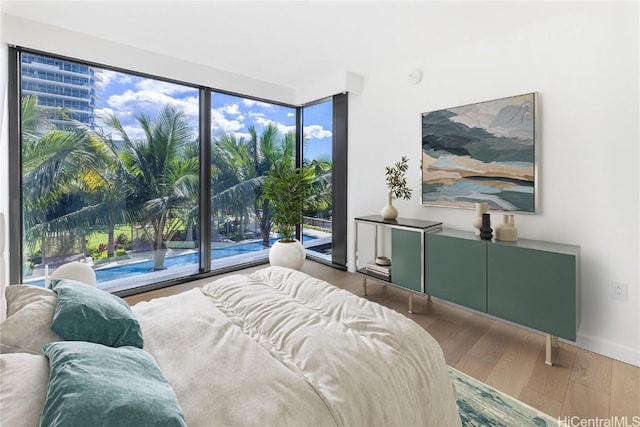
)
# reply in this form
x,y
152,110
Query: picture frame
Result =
x,y
482,152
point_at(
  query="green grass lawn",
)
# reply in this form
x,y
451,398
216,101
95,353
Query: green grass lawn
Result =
x,y
95,239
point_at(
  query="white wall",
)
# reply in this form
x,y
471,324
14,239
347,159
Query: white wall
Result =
x,y
584,66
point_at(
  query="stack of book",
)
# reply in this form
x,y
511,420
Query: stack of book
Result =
x,y
379,270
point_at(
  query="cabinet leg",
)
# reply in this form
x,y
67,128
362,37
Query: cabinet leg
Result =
x,y
550,341
410,303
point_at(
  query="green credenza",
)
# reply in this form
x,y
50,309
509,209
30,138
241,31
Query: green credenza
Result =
x,y
456,268
534,284
529,282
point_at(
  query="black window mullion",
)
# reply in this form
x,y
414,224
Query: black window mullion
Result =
x,y
299,155
14,221
205,181
339,180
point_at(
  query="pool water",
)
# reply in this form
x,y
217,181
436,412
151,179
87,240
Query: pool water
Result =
x,y
134,269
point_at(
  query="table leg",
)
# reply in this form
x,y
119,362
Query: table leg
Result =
x,y
364,286
550,341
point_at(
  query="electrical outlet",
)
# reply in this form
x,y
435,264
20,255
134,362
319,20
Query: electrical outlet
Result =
x,y
619,291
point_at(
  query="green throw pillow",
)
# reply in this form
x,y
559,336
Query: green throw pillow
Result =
x,y
86,313
94,385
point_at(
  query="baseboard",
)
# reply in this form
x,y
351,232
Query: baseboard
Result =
x,y
609,349
583,341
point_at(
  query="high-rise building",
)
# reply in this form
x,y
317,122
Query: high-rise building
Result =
x,y
66,90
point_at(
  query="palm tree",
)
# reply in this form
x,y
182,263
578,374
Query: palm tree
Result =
x,y
155,175
241,165
322,195
54,164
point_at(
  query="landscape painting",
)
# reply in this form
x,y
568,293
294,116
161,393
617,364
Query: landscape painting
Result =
x,y
484,152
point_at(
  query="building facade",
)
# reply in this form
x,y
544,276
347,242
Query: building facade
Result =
x,y
66,90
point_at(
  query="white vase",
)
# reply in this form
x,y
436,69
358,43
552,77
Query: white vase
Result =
x,y
288,253
506,231
389,212
481,208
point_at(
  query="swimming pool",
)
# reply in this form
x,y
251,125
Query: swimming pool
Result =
x,y
119,272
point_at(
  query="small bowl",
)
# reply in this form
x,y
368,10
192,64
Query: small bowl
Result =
x,y
383,260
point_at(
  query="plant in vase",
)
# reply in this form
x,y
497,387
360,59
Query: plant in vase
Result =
x,y
287,189
397,185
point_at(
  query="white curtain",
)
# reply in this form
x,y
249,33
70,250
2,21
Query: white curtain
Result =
x,y
4,167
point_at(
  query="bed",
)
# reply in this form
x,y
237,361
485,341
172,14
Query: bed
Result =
x,y
276,347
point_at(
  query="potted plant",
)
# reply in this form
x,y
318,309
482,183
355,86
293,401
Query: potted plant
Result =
x,y
287,190
397,185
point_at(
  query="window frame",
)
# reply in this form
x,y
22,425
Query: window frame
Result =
x,y
204,134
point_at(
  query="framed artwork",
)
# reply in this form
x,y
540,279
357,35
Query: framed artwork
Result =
x,y
484,152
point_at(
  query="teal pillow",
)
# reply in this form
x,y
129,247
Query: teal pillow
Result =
x,y
86,313
94,385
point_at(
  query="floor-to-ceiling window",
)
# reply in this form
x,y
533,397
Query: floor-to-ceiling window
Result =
x,y
109,173
247,138
324,149
153,181
317,154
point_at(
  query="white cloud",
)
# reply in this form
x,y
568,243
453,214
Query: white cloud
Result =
x,y
163,87
151,103
281,127
243,135
135,133
285,129
316,131
150,96
109,76
253,114
220,123
263,121
233,109
252,103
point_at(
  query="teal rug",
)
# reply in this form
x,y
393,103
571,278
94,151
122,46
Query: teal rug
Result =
x,y
483,406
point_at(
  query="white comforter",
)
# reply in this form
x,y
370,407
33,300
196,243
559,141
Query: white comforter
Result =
x,y
279,347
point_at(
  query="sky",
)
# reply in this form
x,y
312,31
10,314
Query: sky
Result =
x,y
126,95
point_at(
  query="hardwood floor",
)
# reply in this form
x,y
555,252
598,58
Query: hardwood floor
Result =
x,y
581,383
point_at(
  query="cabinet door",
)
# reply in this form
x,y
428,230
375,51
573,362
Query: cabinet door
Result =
x,y
533,288
406,259
456,270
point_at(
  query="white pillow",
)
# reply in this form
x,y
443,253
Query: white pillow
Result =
x,y
29,315
24,388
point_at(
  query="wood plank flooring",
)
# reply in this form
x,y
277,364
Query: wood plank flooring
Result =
x,y
581,384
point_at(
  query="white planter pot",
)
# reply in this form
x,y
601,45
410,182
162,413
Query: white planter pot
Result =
x,y
287,254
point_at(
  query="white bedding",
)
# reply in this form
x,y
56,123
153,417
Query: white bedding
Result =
x,y
274,348
279,347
